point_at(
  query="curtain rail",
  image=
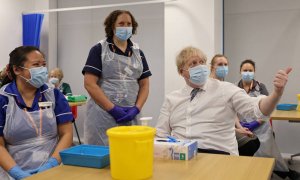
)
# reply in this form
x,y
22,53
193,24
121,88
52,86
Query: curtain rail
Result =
x,y
96,7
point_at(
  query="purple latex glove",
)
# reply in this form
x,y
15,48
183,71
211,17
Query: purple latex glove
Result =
x,y
117,112
131,113
17,173
251,126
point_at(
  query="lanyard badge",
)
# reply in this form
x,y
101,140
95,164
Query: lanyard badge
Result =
x,y
47,104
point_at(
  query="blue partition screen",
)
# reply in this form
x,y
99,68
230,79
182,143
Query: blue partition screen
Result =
x,y
32,25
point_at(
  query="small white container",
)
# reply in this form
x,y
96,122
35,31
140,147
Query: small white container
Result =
x,y
145,121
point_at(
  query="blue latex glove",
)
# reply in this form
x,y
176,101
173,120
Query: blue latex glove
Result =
x,y
117,112
131,113
251,126
33,171
17,173
52,162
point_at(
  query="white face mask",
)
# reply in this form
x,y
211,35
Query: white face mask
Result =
x,y
38,76
53,80
247,76
199,74
123,33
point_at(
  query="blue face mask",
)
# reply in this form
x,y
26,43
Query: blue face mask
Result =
x,y
199,74
222,71
247,76
39,76
53,80
123,33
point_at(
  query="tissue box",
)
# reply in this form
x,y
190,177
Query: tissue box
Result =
x,y
181,150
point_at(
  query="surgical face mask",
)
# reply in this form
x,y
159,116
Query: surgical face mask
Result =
x,y
222,71
247,76
53,80
39,76
199,74
123,33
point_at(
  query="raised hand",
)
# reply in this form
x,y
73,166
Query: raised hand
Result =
x,y
281,79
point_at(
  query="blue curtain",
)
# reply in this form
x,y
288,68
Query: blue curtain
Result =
x,y
32,25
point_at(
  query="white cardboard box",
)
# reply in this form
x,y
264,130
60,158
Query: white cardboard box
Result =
x,y
181,150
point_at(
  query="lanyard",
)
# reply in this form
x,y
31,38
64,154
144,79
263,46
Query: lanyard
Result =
x,y
38,131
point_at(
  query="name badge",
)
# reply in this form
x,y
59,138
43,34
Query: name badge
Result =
x,y
45,104
128,71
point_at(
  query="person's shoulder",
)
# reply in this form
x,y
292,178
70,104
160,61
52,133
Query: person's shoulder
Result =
x,y
223,85
3,100
215,83
56,92
133,44
65,84
96,48
176,93
260,83
47,87
230,86
8,90
3,97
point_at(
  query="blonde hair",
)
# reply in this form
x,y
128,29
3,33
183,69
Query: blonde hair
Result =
x,y
185,54
59,72
213,61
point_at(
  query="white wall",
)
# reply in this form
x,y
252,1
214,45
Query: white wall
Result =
x,y
190,23
11,26
267,32
187,22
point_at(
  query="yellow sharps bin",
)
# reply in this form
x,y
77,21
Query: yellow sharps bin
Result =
x,y
131,152
298,107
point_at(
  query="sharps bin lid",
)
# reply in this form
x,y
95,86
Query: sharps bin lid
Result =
x,y
130,131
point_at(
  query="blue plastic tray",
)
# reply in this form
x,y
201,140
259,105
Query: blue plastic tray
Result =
x,y
286,107
86,155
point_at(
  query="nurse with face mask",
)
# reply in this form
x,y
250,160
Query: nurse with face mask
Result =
x,y
219,67
248,143
116,75
35,120
261,127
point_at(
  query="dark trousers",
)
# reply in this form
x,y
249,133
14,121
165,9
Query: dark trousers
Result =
x,y
212,151
249,148
247,145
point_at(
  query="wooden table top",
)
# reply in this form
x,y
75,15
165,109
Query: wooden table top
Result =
x,y
203,166
286,115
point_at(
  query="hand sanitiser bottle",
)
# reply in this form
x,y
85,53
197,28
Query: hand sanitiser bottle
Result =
x,y
145,121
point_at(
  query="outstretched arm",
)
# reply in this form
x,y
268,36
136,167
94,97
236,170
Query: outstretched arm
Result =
x,y
267,104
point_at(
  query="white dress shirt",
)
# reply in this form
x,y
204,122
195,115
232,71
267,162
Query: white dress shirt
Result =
x,y
210,117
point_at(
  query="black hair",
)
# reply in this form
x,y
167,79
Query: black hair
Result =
x,y
250,61
17,58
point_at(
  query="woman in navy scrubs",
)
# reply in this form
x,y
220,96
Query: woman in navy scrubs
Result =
x,y
35,120
116,75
